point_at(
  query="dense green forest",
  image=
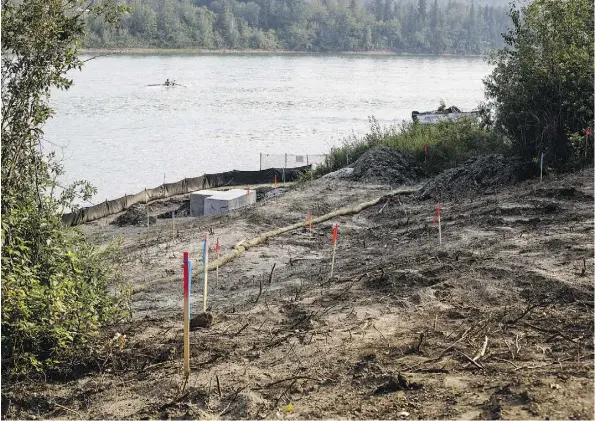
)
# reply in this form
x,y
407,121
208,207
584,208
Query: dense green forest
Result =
x,y
426,27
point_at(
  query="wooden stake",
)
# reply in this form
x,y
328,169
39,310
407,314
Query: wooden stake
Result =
x,y
217,260
186,315
205,262
173,226
439,231
147,208
437,219
335,232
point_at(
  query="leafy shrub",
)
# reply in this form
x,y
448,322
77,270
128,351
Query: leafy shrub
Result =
x,y
57,290
542,83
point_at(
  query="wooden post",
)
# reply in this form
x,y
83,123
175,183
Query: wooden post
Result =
x,y
439,230
437,219
186,315
335,233
217,260
147,208
205,261
173,225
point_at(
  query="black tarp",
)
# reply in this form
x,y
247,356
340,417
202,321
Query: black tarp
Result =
x,y
229,178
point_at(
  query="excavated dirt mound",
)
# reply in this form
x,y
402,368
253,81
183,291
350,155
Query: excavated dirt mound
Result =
x,y
181,207
385,165
478,175
135,215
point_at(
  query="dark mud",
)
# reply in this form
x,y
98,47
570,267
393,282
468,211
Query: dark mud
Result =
x,y
386,166
136,216
478,175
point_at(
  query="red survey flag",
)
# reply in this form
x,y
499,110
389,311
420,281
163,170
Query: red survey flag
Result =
x,y
437,214
217,246
335,233
588,131
425,149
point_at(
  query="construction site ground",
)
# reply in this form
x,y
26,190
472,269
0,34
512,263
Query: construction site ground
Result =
x,y
495,323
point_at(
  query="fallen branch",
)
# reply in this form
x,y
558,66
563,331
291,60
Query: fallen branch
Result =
x,y
387,342
288,388
531,367
453,344
556,332
218,386
69,410
288,379
483,350
271,275
259,292
241,330
507,361
472,361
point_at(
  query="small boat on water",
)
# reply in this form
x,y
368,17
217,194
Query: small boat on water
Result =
x,y
451,113
168,83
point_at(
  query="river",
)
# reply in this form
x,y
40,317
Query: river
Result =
x,y
122,135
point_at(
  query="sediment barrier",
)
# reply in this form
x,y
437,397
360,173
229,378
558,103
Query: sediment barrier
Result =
x,y
187,185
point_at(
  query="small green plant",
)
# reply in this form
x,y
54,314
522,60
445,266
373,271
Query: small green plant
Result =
x,y
304,176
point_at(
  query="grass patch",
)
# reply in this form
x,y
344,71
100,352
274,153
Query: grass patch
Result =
x,y
448,144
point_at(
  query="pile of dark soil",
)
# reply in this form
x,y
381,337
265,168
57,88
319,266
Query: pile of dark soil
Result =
x,y
262,192
182,209
384,165
136,215
482,174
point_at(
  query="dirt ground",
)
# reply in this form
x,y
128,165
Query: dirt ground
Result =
x,y
496,323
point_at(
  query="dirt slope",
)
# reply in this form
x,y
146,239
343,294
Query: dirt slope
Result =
x,y
397,334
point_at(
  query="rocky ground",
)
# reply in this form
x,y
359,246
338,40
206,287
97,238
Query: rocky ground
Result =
x,y
495,323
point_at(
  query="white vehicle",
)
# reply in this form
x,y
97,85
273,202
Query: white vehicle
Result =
x,y
444,114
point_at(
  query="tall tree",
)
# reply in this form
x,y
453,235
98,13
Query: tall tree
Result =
x,y
542,83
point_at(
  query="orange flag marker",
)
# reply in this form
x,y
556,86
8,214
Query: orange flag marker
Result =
x,y
335,235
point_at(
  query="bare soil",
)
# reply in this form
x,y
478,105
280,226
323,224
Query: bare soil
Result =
x,y
496,323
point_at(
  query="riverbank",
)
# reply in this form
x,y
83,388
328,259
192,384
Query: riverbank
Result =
x,y
202,51
495,323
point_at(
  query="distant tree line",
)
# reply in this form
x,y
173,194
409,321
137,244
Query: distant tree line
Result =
x,y
305,25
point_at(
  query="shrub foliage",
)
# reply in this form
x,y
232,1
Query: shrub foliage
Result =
x,y
542,83
57,290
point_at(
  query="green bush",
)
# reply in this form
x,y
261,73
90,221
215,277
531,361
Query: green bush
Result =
x,y
57,290
542,83
448,143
